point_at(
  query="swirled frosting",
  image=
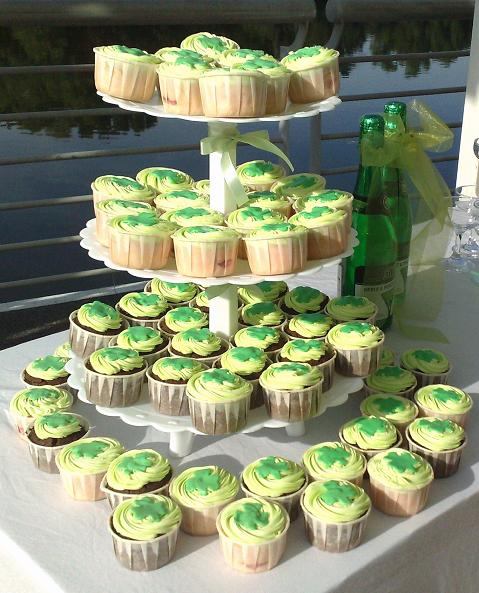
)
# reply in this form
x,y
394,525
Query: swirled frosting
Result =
x,y
301,184
252,217
177,369
130,54
267,199
204,487
248,521
391,379
309,57
174,292
184,67
263,291
58,425
335,501
146,223
259,172
277,230
388,358
318,216
273,476
334,460
304,299
115,207
135,469
355,335
38,401
164,179
201,342
183,318
425,360
400,469
394,408
443,399
171,54
123,188
193,216
310,325
218,386
370,433
266,313
205,233
304,350
48,368
351,308
140,338
231,57
327,197
89,456
208,44
99,317
243,360
259,336
115,360
182,198
268,67
290,376
143,304
64,350
201,300
436,435
146,517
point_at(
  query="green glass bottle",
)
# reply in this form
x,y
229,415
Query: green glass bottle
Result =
x,y
369,271
399,202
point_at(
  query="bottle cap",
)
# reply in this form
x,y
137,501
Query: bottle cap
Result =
x,y
370,123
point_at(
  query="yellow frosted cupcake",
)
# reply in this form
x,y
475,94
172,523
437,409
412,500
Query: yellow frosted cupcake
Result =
x,y
177,199
105,210
300,184
118,187
268,199
163,179
334,198
194,216
259,175
232,57
171,54
328,231
208,44
249,218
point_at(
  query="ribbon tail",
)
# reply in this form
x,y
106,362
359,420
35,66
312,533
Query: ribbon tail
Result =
x,y
235,186
261,141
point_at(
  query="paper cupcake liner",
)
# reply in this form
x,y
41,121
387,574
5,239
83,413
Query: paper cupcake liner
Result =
x,y
141,252
200,521
407,393
369,453
423,379
293,406
113,391
207,360
357,479
44,457
460,419
315,84
180,95
233,96
334,537
150,359
277,88
101,225
253,557
84,342
273,256
167,398
399,503
142,556
358,362
82,486
327,241
290,502
219,418
207,259
115,498
444,463
19,423
134,81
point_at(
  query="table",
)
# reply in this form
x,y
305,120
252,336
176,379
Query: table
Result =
x,y
49,542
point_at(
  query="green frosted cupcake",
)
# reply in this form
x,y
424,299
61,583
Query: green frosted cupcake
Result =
x,y
200,343
201,493
428,366
334,461
268,199
328,231
269,339
171,54
351,308
176,370
181,198
319,216
183,318
203,186
175,293
444,402
142,308
115,361
259,175
303,299
208,44
192,216
391,379
264,314
248,362
263,291
249,218
147,341
314,352
309,325
47,371
118,187
202,302
105,210
334,198
370,434
64,350
163,179
231,57
398,410
301,184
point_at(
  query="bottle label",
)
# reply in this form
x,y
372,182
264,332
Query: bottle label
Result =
x,y
380,289
401,271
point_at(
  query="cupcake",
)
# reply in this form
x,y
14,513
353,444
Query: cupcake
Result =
x,y
141,241
83,464
370,434
263,291
219,401
203,186
92,326
118,187
167,380
108,209
358,346
201,493
247,362
275,479
178,199
269,339
179,85
351,308
334,461
391,379
140,471
292,391
309,325
315,74
428,366
328,231
206,251
269,200
144,531
193,216
335,514
229,92
209,45
163,179
253,534
48,434
142,308
301,184
399,482
314,352
47,371
171,54
388,358
303,299
278,248
202,344
125,72
176,293
28,404
265,313
249,218
147,341
182,318
440,442
398,410
259,175
114,377
64,350
334,198
444,402
201,302
278,79
232,57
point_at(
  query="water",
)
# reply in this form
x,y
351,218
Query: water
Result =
x,y
62,91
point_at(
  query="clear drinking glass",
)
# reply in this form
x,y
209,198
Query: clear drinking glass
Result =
x,y
465,219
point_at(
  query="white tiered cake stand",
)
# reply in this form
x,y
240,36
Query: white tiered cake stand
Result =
x,y
222,291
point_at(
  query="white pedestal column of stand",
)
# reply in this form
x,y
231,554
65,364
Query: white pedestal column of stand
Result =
x,y
181,443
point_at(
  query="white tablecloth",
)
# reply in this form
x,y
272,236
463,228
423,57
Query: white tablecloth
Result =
x,y
50,543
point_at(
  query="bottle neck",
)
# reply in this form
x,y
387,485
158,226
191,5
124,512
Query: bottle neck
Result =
x,y
369,184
